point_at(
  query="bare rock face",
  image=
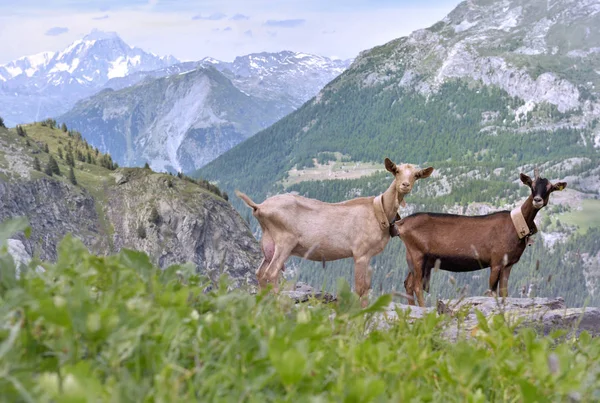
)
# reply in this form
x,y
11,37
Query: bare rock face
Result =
x,y
54,209
190,224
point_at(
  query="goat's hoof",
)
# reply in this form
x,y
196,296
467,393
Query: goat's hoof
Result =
x,y
489,293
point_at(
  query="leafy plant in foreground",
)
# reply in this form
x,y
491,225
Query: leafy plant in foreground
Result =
x,y
117,328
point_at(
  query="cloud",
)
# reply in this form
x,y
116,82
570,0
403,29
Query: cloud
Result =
x,y
328,31
55,31
239,17
104,8
104,17
284,23
272,34
248,33
212,17
227,29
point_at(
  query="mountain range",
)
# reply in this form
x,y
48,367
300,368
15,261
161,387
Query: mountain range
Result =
x,y
45,85
183,116
142,108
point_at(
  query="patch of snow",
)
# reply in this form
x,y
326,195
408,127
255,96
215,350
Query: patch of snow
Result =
x,y
13,71
59,67
118,68
74,65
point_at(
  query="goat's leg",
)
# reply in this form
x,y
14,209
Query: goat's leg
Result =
x,y
362,279
268,248
494,279
408,286
504,281
272,272
419,262
260,274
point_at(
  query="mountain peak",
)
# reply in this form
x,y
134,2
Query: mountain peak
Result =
x,y
97,35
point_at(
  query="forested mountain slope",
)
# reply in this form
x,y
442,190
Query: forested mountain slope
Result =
x,y
492,90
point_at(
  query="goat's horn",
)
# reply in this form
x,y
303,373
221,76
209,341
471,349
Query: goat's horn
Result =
x,y
536,173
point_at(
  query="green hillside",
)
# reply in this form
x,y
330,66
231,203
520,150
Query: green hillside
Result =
x,y
483,95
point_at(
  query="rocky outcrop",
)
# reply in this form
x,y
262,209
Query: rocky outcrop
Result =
x,y
54,209
543,314
192,224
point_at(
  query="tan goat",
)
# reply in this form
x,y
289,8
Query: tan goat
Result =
x,y
319,231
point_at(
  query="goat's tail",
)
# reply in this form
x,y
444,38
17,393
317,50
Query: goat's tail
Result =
x,y
246,200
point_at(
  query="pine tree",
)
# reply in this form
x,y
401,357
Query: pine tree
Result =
x,y
36,164
146,166
69,158
48,169
46,149
27,143
64,127
52,167
2,123
20,131
60,153
72,177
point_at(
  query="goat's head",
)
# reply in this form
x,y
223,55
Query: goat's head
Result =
x,y
406,175
541,188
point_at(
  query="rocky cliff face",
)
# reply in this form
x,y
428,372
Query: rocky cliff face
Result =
x,y
174,123
539,51
192,224
54,209
173,220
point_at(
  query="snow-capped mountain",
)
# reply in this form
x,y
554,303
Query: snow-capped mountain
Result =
x,y
183,116
48,84
28,65
293,75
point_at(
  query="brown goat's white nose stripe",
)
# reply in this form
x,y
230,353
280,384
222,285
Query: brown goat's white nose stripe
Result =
x,y
519,222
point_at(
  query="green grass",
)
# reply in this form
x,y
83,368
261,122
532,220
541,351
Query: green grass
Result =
x,y
118,329
586,218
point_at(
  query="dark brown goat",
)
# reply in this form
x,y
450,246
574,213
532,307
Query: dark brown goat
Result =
x,y
469,243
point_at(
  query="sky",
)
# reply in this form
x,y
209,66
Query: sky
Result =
x,y
223,29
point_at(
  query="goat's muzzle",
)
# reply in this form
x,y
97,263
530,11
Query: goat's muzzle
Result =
x,y
538,202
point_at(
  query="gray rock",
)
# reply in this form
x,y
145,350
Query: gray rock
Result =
x,y
195,225
302,292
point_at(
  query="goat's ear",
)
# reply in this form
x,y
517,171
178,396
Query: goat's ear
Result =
x,y
559,186
390,166
424,173
526,179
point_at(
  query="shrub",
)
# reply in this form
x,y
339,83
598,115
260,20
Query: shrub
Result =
x,y
72,177
52,167
98,328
